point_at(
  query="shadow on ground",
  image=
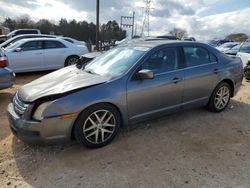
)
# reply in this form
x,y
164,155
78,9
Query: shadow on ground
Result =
x,y
193,148
4,100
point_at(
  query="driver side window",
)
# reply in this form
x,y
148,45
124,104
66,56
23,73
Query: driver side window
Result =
x,y
33,45
164,60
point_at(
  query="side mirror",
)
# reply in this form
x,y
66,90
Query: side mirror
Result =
x,y
18,49
145,74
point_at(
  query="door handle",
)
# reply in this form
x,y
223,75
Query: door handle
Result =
x,y
216,71
38,53
176,80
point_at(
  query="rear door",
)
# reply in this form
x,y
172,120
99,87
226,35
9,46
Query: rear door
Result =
x,y
29,58
201,75
54,54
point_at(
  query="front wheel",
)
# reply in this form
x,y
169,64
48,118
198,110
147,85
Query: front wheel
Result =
x,y
220,97
97,126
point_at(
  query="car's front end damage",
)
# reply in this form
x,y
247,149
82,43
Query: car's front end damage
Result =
x,y
39,112
29,121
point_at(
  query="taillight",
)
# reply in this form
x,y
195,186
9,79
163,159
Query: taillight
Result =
x,y
3,62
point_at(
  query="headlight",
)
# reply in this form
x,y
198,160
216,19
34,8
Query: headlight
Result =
x,y
38,115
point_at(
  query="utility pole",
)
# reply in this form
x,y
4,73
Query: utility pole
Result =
x,y
97,24
129,25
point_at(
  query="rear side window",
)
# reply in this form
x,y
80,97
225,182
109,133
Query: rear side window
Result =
x,y
195,56
71,41
33,45
245,48
54,44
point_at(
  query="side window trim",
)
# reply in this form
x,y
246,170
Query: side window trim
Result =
x,y
208,52
179,59
32,49
62,45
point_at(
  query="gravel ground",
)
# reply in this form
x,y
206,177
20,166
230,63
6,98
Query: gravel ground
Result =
x,y
194,148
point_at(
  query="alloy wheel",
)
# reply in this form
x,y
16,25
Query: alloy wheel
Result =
x,y
222,97
72,61
99,126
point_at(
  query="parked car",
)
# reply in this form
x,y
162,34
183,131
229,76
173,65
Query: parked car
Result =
x,y
20,37
23,32
3,38
38,54
168,37
243,47
216,43
125,85
7,76
74,41
227,46
247,70
234,50
244,57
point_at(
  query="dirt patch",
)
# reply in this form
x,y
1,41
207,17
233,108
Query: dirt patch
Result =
x,y
194,148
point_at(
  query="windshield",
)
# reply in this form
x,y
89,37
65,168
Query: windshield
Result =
x,y
228,45
211,42
13,45
115,62
237,47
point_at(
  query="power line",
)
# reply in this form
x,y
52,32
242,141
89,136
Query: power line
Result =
x,y
146,21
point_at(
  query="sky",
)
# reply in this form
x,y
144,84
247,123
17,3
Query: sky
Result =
x,y
203,19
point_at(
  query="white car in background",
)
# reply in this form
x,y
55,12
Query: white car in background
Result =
x,y
227,46
37,54
244,53
74,41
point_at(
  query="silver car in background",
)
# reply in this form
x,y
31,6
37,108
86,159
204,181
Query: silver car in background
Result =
x,y
128,84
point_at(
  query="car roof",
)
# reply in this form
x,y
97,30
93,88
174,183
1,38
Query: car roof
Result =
x,y
155,43
40,38
27,35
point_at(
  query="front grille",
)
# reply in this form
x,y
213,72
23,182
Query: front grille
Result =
x,y
19,106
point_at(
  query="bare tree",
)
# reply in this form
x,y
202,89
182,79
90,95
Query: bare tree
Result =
x,y
179,33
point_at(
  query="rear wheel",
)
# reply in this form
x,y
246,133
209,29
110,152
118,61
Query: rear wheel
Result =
x,y
220,97
97,126
72,60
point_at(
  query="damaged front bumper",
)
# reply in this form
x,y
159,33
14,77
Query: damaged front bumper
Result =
x,y
55,129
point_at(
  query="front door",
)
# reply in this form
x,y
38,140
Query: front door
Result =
x,y
29,58
161,94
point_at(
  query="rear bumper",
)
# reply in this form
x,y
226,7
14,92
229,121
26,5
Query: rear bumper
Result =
x,y
52,130
7,78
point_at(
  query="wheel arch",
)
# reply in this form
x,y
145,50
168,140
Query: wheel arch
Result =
x,y
69,56
230,82
106,103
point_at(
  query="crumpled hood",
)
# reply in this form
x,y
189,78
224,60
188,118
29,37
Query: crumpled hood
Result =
x,y
59,82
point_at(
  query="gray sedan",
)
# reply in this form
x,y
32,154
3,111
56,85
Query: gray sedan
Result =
x,y
125,85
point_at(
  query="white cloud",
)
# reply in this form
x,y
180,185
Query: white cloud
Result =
x,y
166,14
48,9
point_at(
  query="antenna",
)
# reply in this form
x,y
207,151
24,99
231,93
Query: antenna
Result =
x,y
146,22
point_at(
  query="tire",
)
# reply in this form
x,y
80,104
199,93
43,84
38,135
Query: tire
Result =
x,y
71,60
220,97
92,132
